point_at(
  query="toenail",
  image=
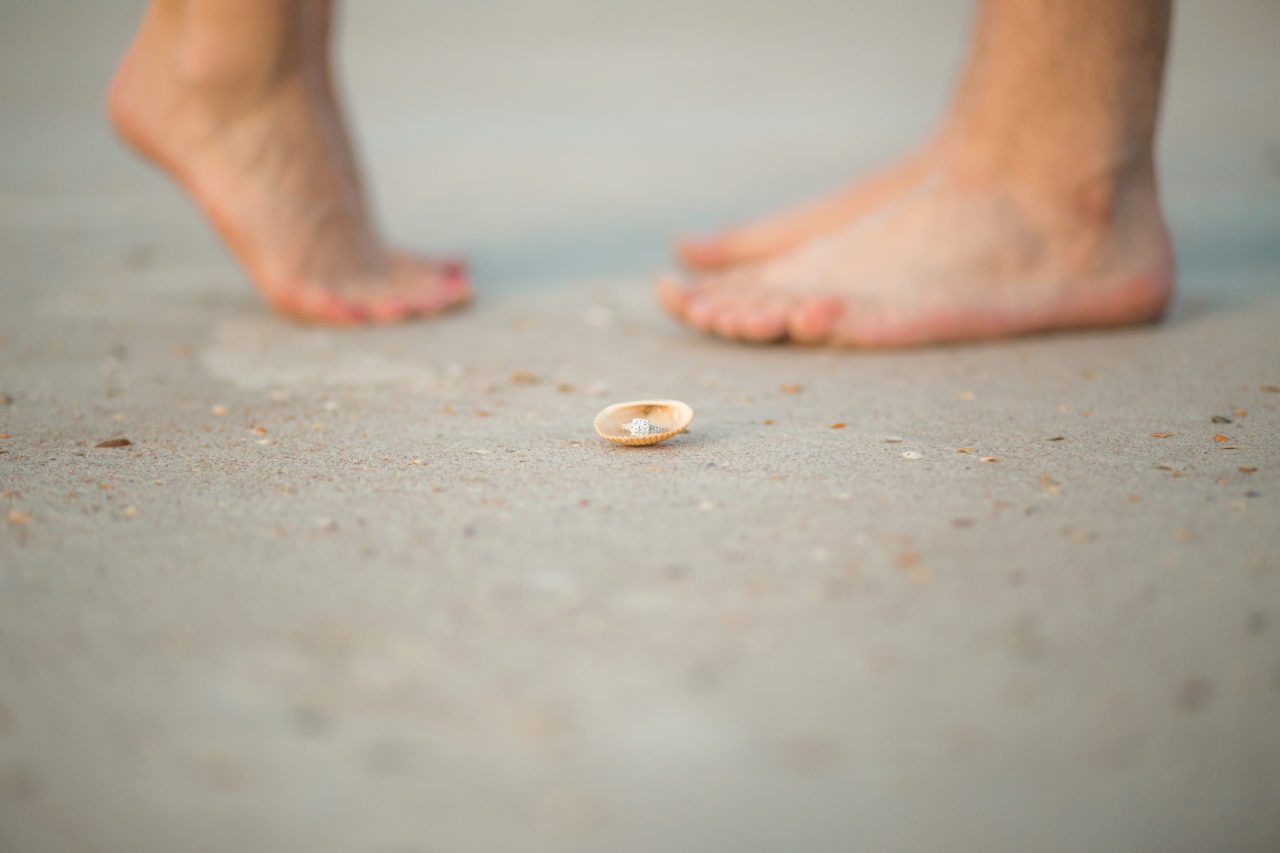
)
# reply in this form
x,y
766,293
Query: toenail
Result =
x,y
453,270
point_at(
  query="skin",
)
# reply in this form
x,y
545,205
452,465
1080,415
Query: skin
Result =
x,y
236,101
1032,208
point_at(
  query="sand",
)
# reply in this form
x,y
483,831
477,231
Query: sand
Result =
x,y
386,590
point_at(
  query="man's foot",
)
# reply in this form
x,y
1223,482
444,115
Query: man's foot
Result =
x,y
921,254
1033,209
269,164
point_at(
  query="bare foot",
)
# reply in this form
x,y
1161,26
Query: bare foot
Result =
x,y
268,160
1034,207
925,253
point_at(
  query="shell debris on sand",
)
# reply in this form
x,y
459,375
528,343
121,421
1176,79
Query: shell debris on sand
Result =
x,y
643,422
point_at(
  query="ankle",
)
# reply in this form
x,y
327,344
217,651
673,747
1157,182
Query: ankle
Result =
x,y
1083,185
218,67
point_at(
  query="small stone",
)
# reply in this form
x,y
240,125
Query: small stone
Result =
x,y
524,377
219,410
1220,419
132,512
911,454
989,459
17,516
114,442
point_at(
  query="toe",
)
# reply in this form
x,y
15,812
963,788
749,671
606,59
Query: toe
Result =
x,y
696,302
702,312
765,321
813,320
387,309
718,304
674,295
730,319
455,282
426,287
315,304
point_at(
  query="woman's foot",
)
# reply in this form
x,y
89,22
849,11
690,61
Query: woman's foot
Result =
x,y
263,150
1034,208
926,253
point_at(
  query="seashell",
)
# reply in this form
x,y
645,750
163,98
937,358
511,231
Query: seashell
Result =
x,y
643,422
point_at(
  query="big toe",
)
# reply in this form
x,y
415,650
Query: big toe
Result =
x,y
814,320
438,285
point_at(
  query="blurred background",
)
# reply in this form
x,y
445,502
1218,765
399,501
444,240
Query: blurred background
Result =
x,y
423,609
565,138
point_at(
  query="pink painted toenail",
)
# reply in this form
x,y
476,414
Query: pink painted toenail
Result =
x,y
453,271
